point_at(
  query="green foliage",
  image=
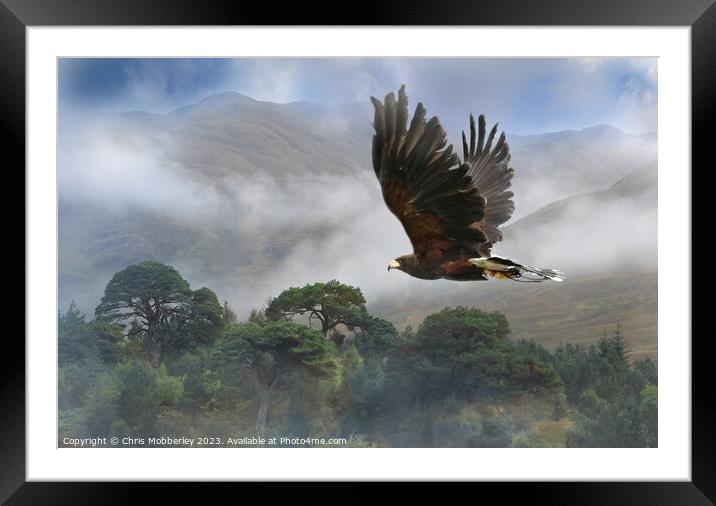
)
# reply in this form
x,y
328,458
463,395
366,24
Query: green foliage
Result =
x,y
138,396
331,304
373,335
271,353
350,366
157,306
646,368
71,345
532,350
363,389
275,349
75,379
465,352
126,401
573,365
459,380
151,298
407,334
615,405
170,389
85,349
200,384
206,312
649,415
228,315
201,325
148,290
79,341
257,316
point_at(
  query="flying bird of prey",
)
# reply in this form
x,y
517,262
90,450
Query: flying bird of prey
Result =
x,y
451,209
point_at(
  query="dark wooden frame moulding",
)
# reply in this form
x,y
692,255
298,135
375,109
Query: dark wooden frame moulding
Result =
x,y
17,15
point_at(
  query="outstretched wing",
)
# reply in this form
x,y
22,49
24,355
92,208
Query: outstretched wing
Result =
x,y
492,175
424,183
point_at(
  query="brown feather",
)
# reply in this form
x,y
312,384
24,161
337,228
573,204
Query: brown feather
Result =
x,y
428,188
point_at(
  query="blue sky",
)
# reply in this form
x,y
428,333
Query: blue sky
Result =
x,y
524,95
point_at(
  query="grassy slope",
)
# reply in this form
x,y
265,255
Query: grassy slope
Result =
x,y
229,135
576,311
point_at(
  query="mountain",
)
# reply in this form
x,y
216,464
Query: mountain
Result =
x,y
605,241
550,167
612,229
229,133
639,187
207,187
579,310
250,197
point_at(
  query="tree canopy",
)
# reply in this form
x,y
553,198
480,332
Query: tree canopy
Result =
x,y
79,340
273,352
331,304
157,304
160,358
466,352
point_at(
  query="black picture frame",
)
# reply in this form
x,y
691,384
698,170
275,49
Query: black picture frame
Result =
x,y
700,15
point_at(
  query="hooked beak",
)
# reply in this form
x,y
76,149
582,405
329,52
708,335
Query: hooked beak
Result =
x,y
393,265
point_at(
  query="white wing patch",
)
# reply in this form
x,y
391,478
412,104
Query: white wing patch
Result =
x,y
490,264
497,264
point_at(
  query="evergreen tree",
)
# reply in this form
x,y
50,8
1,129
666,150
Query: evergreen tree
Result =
x,y
159,308
331,304
270,354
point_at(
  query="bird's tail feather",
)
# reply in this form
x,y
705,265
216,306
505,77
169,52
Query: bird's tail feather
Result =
x,y
544,274
518,272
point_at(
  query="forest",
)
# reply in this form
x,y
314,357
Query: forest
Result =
x,y
159,359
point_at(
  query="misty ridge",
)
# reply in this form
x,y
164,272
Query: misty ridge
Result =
x,y
252,197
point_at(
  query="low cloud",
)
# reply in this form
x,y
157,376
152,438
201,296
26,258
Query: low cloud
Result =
x,y
258,233
119,172
592,236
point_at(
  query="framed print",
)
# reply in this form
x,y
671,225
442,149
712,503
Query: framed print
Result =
x,y
211,211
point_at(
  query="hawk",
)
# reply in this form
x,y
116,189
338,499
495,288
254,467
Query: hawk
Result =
x,y
451,209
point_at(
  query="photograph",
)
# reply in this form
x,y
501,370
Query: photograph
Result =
x,y
357,252
440,244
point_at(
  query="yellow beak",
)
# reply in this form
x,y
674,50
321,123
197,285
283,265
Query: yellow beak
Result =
x,y
394,264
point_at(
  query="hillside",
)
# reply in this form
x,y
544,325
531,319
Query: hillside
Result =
x,y
612,277
638,187
610,230
251,197
579,310
557,165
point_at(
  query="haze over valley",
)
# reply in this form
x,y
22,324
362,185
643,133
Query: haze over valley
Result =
x,y
251,197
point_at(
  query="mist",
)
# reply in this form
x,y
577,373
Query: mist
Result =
x,y
253,176
593,235
98,165
249,231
